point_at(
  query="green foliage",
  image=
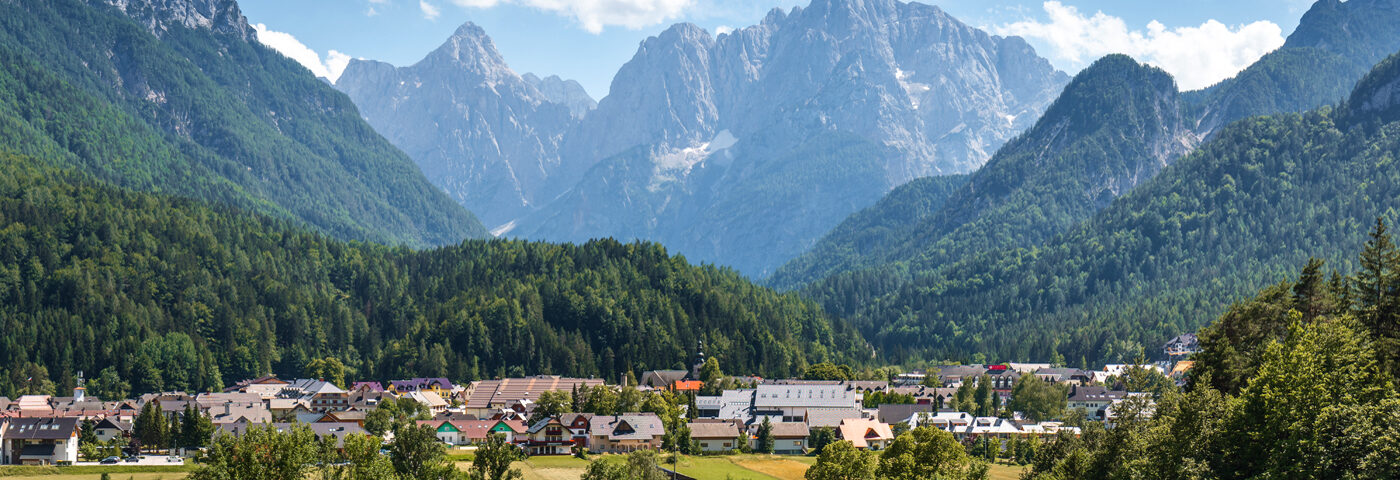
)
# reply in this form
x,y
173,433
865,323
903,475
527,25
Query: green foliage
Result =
x,y
763,443
416,453
923,453
392,414
879,228
357,459
827,371
151,427
551,403
842,461
1039,400
172,294
207,114
877,398
260,453
1176,249
639,465
196,428
493,459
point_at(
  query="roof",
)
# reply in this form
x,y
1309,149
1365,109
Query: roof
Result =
x,y
830,417
901,413
1095,394
861,431
41,428
706,430
367,386
687,385
790,430
432,400
322,430
421,384
662,378
34,402
110,422
488,393
631,426
779,396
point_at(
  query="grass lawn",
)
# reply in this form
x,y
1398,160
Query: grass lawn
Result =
x,y
95,473
1005,472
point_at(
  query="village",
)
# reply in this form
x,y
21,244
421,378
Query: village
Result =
x,y
545,415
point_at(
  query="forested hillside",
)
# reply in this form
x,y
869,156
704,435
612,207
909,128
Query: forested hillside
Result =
x,y
1240,213
182,99
1116,124
173,294
1298,382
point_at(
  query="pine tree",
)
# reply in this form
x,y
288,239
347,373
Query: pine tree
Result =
x,y
1307,292
764,444
1376,282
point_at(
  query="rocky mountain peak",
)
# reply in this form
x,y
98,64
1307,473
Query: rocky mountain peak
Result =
x,y
469,48
158,16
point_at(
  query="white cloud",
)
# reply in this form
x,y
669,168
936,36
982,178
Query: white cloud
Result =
x,y
371,12
595,15
288,45
430,11
723,29
1197,56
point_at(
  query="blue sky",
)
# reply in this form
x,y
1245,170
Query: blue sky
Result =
x,y
1199,41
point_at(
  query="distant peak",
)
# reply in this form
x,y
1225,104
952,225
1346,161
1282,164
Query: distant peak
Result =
x,y
222,16
470,30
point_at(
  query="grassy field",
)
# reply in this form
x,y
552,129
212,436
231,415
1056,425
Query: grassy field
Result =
x,y
94,473
746,467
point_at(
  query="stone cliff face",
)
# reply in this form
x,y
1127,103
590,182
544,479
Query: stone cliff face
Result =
x,y
686,148
487,136
740,149
222,16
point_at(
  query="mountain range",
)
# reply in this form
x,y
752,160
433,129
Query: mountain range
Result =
x,y
1108,131
739,149
178,97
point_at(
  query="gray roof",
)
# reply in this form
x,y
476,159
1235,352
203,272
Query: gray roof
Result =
x,y
1095,394
790,430
644,426
779,396
713,430
41,428
901,413
830,417
662,378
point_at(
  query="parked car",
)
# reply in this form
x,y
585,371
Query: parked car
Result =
x,y
132,459
110,461
174,459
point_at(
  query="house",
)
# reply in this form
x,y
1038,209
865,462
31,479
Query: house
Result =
x,y
865,434
264,387
35,405
434,402
625,433
510,428
110,428
366,399
240,412
789,438
792,401
440,386
346,416
910,378
716,436
551,436
1093,400
687,386
366,387
1072,376
487,397
892,414
947,421
729,404
1183,345
662,378
830,417
926,395
1027,368
39,441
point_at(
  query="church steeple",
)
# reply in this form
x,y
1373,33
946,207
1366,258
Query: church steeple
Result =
x,y
699,360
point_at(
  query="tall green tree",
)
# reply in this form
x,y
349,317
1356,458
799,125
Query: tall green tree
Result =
x,y
1037,399
923,453
196,428
261,453
764,441
416,453
842,461
493,460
